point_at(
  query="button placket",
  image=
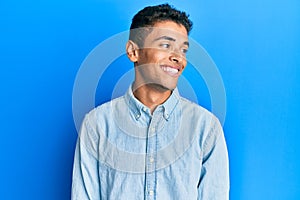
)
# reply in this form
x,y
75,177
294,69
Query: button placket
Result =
x,y
150,157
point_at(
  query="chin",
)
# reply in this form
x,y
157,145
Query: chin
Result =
x,y
161,87
169,86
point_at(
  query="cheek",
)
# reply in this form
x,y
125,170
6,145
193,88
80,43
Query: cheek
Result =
x,y
160,56
184,62
154,56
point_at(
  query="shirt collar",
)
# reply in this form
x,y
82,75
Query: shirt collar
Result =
x,y
136,107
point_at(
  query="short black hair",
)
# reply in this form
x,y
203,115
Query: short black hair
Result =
x,y
150,15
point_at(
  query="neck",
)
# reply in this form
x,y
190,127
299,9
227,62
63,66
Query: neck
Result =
x,y
151,95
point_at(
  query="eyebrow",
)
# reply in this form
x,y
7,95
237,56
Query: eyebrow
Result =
x,y
170,39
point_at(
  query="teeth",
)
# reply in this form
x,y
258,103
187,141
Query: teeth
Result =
x,y
170,69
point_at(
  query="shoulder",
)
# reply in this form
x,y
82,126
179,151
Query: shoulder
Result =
x,y
104,112
193,110
201,119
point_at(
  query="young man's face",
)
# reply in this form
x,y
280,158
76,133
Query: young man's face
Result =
x,y
162,58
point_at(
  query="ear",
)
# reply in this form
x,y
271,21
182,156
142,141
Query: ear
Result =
x,y
132,51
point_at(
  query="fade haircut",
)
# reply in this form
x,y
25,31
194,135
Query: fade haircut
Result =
x,y
147,17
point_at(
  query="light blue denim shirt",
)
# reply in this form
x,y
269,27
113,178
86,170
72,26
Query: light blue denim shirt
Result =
x,y
125,152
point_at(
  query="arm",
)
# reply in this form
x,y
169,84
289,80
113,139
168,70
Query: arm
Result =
x,y
214,178
85,180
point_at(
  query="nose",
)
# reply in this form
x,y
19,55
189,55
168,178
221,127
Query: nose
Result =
x,y
175,57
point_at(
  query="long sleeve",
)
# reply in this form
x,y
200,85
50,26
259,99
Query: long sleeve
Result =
x,y
214,179
85,183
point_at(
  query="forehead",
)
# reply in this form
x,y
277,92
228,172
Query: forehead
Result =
x,y
170,29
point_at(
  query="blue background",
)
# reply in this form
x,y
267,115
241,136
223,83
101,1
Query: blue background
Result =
x,y
254,43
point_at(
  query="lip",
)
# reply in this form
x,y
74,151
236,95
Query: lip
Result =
x,y
171,70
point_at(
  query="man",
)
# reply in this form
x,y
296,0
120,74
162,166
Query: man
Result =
x,y
151,143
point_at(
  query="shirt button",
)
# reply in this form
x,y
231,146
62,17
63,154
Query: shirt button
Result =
x,y
153,130
151,192
137,116
144,109
151,159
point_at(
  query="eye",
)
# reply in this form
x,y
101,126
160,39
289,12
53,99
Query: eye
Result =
x,y
164,45
184,51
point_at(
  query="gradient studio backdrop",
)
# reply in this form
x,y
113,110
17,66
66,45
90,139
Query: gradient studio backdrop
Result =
x,y
255,45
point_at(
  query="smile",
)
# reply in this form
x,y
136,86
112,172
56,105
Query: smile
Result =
x,y
170,70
